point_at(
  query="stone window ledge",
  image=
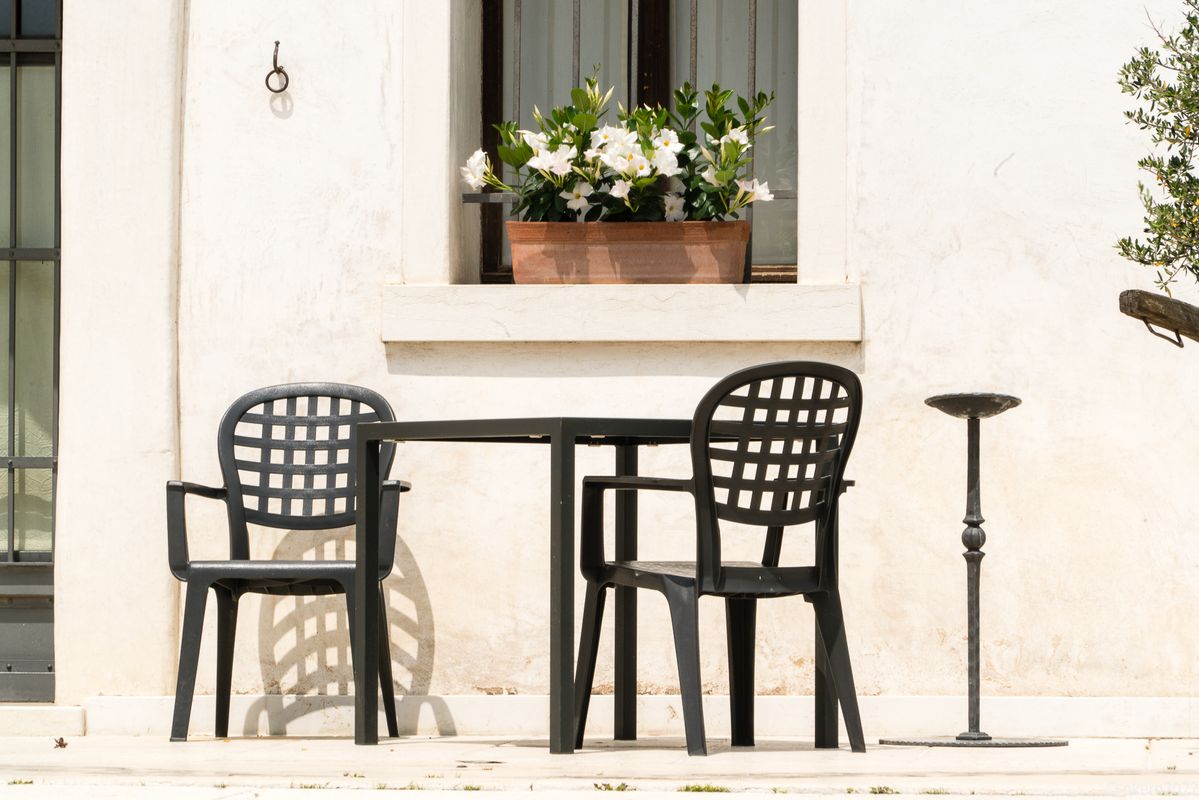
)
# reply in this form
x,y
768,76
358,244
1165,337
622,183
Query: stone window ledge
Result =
x,y
607,313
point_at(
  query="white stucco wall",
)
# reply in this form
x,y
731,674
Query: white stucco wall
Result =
x,y
115,608
987,171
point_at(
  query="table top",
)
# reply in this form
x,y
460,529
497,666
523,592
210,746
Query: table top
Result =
x,y
583,430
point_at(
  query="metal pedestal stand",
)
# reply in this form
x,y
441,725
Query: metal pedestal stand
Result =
x,y
972,408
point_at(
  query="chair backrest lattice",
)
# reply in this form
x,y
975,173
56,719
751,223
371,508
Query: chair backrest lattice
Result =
x,y
773,439
289,454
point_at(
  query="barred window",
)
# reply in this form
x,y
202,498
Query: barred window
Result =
x,y
30,92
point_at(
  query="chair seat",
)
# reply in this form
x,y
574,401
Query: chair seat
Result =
x,y
741,578
298,578
271,569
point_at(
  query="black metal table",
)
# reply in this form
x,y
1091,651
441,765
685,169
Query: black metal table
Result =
x,y
562,434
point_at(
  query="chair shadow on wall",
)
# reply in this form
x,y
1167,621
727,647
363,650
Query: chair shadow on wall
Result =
x,y
316,672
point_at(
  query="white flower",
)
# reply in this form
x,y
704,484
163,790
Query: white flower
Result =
x,y
640,166
675,211
602,137
557,162
737,135
475,169
667,140
620,189
592,154
611,135
537,141
577,197
666,162
563,157
758,192
615,161
710,176
625,137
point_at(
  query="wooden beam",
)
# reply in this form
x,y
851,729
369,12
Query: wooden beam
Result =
x,y
1175,316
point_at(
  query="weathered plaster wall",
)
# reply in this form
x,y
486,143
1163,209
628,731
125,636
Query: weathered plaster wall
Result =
x,y
987,173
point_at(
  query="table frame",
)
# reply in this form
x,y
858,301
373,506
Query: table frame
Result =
x,y
562,434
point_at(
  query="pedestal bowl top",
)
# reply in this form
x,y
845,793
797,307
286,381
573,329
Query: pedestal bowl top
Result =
x,y
973,404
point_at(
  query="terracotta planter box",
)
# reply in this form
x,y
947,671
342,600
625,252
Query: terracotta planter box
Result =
x,y
628,252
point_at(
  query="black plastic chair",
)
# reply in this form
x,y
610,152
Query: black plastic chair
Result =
x,y
288,455
768,448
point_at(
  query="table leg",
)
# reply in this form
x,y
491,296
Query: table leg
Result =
x,y
562,595
366,597
625,689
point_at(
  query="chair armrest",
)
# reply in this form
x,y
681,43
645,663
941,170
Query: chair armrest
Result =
x,y
177,492
591,538
635,482
389,519
212,492
846,485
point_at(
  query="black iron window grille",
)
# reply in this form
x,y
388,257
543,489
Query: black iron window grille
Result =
x,y
645,49
30,219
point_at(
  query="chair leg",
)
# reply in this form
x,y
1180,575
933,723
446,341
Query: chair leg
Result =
x,y
226,632
589,636
832,629
189,657
684,618
740,623
350,603
386,681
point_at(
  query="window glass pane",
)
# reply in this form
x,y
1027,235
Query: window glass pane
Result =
x,y
35,156
776,223
722,56
547,60
603,43
722,43
38,18
547,55
4,515
33,491
6,156
34,417
774,230
5,270
5,18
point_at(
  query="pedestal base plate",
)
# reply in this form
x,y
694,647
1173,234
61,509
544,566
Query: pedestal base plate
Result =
x,y
953,741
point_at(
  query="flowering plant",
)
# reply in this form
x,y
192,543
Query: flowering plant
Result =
x,y
651,166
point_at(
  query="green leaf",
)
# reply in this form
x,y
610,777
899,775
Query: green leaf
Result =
x,y
584,121
579,97
515,156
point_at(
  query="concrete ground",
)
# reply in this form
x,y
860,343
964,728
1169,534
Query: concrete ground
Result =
x,y
476,767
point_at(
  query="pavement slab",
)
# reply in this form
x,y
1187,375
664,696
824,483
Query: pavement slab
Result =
x,y
478,767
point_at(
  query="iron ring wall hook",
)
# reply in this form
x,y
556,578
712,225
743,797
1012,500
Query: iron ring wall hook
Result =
x,y
277,70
